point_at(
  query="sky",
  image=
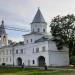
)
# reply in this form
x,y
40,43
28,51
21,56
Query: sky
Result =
x,y
20,13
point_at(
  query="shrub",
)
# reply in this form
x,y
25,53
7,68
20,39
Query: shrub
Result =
x,y
72,60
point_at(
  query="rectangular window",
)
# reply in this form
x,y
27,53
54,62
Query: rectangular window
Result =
x,y
38,30
0,59
43,49
3,52
43,30
33,50
7,52
22,51
10,59
16,51
6,59
10,51
28,62
3,59
33,61
31,40
37,50
0,52
27,41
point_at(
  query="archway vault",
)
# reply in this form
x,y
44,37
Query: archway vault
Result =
x,y
19,61
41,61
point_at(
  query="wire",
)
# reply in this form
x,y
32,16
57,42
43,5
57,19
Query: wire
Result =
x,y
16,29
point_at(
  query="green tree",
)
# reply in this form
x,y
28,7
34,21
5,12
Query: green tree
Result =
x,y
64,29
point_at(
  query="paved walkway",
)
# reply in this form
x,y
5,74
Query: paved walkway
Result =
x,y
58,68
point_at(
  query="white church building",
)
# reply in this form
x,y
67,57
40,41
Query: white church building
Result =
x,y
38,48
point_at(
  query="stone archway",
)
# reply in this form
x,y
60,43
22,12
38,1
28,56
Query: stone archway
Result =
x,y
41,61
19,61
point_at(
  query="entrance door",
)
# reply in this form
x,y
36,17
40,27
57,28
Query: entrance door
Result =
x,y
41,61
19,61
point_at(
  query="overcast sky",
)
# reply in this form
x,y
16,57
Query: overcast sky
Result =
x,y
20,13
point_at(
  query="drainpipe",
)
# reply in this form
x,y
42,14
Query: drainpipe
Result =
x,y
13,54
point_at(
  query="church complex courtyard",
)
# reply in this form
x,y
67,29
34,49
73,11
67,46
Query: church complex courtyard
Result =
x,y
31,71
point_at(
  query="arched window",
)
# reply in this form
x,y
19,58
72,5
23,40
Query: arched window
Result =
x,y
4,38
33,61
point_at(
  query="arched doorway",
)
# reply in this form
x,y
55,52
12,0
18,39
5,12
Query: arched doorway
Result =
x,y
19,61
41,61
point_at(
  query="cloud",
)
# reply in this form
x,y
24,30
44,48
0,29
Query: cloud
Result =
x,y
16,39
20,13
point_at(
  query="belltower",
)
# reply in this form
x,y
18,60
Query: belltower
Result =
x,y
3,35
38,24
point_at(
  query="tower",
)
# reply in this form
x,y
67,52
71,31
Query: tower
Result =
x,y
38,24
3,35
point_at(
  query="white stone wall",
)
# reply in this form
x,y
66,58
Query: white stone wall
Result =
x,y
34,37
41,26
58,57
6,55
52,56
19,54
29,55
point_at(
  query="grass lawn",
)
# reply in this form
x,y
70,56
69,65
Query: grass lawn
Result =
x,y
30,71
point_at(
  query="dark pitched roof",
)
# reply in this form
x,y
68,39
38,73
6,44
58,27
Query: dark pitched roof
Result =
x,y
42,39
33,33
2,29
38,17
